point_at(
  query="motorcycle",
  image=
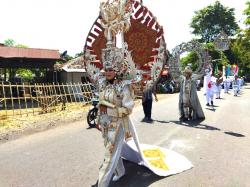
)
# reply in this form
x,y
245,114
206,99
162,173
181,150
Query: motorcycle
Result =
x,y
92,114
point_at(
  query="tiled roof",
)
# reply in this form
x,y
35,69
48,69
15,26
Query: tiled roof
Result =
x,y
14,52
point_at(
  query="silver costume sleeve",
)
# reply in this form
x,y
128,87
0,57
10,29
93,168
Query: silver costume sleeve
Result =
x,y
127,103
127,100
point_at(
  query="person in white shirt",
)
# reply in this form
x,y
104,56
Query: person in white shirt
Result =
x,y
226,83
209,87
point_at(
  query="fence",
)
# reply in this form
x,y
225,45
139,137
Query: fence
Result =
x,y
27,99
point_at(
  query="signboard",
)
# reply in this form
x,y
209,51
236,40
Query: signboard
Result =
x,y
221,42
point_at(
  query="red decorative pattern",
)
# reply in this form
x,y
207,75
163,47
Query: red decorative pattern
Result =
x,y
141,41
144,35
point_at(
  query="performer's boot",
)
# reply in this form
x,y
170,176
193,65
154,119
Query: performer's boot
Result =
x,y
190,117
186,113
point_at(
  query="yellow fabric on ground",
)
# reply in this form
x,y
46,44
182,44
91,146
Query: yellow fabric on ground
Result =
x,y
155,157
153,153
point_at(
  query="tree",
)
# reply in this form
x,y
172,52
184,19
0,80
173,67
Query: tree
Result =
x,y
241,46
190,58
25,74
247,13
78,54
9,42
211,20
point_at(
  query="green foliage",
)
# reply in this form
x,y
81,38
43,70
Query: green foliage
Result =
x,y
247,13
190,58
241,45
211,50
68,57
209,21
25,74
218,59
78,54
21,46
59,62
9,42
224,60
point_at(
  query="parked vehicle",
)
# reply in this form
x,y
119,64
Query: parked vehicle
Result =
x,y
92,114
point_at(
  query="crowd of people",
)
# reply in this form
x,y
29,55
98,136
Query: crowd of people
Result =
x,y
116,86
189,104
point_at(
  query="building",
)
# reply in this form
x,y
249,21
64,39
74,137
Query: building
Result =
x,y
12,58
73,71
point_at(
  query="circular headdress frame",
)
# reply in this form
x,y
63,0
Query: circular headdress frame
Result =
x,y
143,39
174,60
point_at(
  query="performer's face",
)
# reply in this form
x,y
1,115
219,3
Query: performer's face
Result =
x,y
187,75
110,74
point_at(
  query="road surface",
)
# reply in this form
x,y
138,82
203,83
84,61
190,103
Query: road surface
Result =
x,y
69,156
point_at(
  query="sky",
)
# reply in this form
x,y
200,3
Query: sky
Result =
x,y
64,24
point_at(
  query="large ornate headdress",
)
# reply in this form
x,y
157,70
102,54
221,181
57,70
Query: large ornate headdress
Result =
x,y
115,16
132,22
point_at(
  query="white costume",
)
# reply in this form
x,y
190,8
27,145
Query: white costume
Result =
x,y
116,104
236,86
209,87
226,83
240,83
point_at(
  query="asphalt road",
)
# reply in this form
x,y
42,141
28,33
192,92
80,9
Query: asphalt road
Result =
x,y
69,156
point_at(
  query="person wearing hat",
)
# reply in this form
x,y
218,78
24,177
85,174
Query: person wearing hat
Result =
x,y
189,104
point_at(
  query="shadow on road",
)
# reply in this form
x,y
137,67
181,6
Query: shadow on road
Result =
x,y
212,109
161,121
196,124
136,176
235,134
221,98
193,124
214,106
